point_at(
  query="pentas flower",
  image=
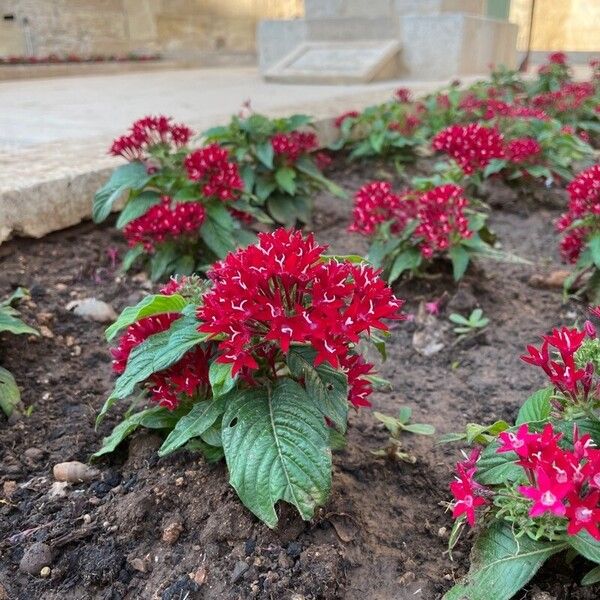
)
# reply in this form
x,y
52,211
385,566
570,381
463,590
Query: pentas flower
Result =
x,y
442,220
280,292
218,176
407,127
569,97
356,369
147,133
164,221
290,146
375,203
557,58
523,150
466,491
351,114
402,95
472,146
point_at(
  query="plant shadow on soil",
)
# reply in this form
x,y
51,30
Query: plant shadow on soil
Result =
x,y
382,535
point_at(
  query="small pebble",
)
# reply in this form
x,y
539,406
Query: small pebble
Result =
x,y
93,310
238,571
172,532
36,557
45,572
74,471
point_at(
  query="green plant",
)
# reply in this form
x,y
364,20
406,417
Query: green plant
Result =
x,y
279,164
10,322
396,427
466,326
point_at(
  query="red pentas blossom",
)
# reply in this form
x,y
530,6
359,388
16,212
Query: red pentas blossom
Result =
x,y
442,219
568,98
466,491
584,201
290,146
147,133
351,114
375,203
402,95
562,482
280,291
472,146
522,150
557,58
217,175
167,220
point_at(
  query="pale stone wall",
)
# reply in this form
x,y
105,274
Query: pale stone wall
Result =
x,y
120,26
569,25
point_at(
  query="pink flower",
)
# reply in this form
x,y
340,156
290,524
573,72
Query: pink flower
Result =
x,y
433,307
465,490
547,495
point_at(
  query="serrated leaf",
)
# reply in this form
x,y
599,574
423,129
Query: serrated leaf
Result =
x,y
536,408
133,175
156,417
10,396
327,386
136,207
219,376
195,423
501,565
276,446
150,305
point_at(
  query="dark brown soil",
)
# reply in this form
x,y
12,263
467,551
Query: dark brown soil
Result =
x,y
383,534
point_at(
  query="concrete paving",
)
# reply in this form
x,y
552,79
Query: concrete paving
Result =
x,y
54,133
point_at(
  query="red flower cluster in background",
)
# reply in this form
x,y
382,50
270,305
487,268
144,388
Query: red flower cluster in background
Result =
x,y
402,95
564,376
351,114
148,132
584,201
218,176
564,483
280,292
568,98
375,203
522,150
165,221
442,220
472,146
490,108
290,146
186,377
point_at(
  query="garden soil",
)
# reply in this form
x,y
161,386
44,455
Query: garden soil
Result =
x,y
172,528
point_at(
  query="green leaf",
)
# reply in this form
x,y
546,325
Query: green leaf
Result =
x,y
283,209
156,417
158,352
594,246
501,564
376,140
586,545
286,179
495,468
264,188
136,207
217,230
264,153
307,166
419,428
150,305
536,408
133,175
404,414
131,256
327,386
494,166
406,260
161,261
10,396
13,324
460,261
195,423
591,577
220,378
276,446
212,454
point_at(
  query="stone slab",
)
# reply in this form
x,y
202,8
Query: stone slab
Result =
x,y
338,62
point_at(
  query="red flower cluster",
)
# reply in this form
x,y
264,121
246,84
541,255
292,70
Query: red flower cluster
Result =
x,y
442,220
568,98
148,132
375,203
280,292
466,491
565,376
584,201
291,146
351,114
490,108
564,483
163,221
407,128
522,150
218,176
557,58
402,95
185,377
473,146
